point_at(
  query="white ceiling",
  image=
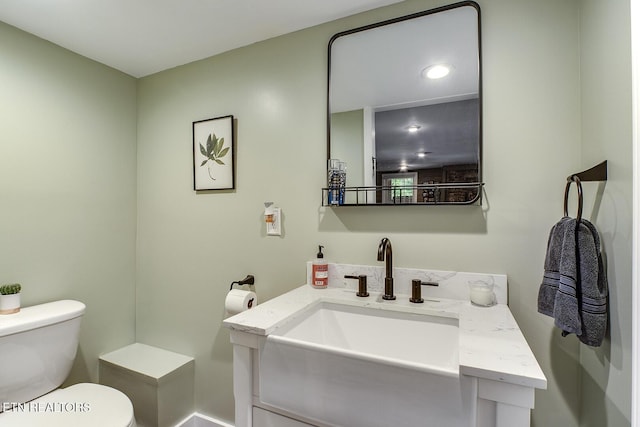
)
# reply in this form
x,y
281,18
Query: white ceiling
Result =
x,y
142,37
382,67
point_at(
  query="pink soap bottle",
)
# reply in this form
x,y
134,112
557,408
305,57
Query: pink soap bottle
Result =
x,y
319,271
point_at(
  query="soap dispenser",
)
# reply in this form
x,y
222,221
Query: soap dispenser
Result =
x,y
319,271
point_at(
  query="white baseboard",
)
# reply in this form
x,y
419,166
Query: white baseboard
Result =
x,y
199,420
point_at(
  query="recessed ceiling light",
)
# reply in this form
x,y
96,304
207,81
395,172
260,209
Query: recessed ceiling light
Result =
x,y
436,71
414,128
422,154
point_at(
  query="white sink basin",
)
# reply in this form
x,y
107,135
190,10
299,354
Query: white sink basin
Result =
x,y
344,365
416,341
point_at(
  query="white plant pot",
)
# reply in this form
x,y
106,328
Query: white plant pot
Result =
x,y
10,303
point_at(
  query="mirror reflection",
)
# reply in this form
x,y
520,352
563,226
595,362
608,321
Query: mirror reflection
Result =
x,y
404,108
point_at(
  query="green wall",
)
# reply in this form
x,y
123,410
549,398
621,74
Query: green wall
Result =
x,y
605,62
347,136
199,243
68,187
96,185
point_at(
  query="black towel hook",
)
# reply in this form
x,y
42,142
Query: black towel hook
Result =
x,y
573,178
596,173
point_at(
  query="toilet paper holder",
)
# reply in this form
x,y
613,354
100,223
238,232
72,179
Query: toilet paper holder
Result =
x,y
249,280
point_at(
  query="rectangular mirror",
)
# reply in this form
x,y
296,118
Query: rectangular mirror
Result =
x,y
405,109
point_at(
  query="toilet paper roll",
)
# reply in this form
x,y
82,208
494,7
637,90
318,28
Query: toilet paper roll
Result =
x,y
238,301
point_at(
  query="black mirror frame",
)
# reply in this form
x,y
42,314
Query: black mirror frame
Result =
x,y
478,198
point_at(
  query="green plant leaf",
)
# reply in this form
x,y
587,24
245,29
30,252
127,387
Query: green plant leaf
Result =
x,y
218,146
203,151
220,162
10,289
210,143
223,152
204,163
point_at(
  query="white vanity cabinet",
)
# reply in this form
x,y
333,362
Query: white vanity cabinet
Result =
x,y
499,404
248,410
495,362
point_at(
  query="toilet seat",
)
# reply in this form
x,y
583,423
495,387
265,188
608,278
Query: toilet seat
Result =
x,y
79,405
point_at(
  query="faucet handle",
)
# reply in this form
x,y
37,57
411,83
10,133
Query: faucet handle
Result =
x,y
362,284
416,290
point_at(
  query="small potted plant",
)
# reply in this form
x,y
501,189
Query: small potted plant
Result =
x,y
10,298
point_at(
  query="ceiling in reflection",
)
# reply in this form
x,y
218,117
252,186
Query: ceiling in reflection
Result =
x,y
447,134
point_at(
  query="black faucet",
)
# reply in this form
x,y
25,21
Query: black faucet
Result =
x,y
416,290
362,284
385,253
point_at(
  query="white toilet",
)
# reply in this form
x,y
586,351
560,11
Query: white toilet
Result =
x,y
37,348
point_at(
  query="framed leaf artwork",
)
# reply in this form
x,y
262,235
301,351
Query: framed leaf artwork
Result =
x,y
213,154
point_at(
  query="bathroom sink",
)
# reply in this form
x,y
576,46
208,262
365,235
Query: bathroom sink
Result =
x,y
417,341
344,365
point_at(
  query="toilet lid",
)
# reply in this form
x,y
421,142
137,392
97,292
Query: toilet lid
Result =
x,y
79,405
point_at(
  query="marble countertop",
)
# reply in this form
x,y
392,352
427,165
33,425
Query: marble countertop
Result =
x,y
491,343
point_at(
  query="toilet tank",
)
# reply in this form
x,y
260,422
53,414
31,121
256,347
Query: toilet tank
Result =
x,y
37,348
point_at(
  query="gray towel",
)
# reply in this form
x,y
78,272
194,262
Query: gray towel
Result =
x,y
551,277
595,296
578,288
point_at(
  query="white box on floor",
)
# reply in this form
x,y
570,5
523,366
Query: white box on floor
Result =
x,y
160,383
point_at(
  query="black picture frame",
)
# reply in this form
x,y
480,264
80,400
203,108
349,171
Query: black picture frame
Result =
x,y
214,154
